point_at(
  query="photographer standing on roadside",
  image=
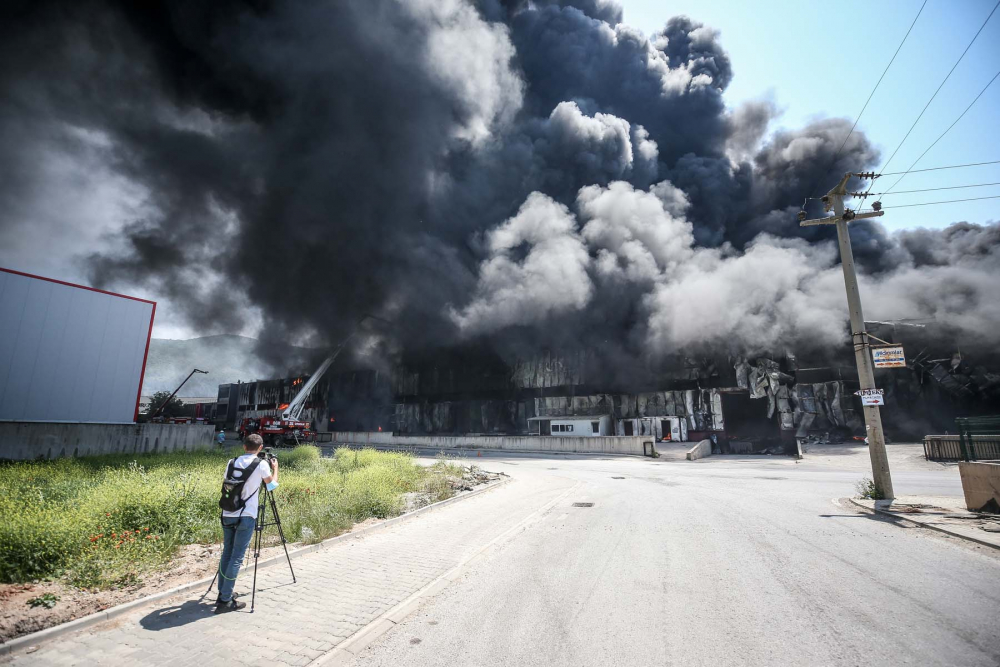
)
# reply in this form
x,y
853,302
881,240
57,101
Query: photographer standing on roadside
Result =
x,y
240,488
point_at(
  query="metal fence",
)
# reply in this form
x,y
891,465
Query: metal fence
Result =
x,y
978,439
969,428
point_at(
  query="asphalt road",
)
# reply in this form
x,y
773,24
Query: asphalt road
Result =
x,y
725,561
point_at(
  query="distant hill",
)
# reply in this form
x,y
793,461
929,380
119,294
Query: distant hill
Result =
x,y
227,358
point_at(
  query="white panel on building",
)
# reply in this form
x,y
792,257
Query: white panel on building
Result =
x,y
70,353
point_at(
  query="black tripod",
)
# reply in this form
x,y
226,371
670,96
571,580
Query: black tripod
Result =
x,y
266,498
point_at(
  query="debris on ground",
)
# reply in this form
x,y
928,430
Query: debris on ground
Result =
x,y
471,477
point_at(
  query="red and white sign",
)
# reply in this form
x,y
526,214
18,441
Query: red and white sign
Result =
x,y
871,396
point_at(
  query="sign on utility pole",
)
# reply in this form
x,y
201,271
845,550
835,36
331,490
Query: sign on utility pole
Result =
x,y
870,396
889,356
866,372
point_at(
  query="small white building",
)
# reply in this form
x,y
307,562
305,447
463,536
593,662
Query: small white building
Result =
x,y
665,427
571,426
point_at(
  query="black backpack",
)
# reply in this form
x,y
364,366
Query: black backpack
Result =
x,y
232,499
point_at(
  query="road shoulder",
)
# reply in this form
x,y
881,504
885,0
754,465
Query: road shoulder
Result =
x,y
941,513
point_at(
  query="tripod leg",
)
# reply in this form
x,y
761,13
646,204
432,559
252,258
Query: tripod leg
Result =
x,y
259,531
281,533
213,581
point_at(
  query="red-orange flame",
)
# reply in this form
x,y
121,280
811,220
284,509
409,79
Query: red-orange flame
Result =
x,y
283,406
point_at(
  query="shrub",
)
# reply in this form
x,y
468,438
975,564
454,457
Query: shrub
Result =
x,y
303,457
37,542
866,488
106,520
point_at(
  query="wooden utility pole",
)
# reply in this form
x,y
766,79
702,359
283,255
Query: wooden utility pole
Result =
x,y
866,371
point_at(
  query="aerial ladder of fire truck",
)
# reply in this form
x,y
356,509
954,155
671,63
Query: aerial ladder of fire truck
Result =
x,y
294,409
297,404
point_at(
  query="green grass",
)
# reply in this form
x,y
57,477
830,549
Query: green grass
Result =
x,y
105,521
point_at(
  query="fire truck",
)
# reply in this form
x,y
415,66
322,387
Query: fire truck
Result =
x,y
288,429
277,431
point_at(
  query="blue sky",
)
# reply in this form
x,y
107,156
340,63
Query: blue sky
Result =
x,y
814,61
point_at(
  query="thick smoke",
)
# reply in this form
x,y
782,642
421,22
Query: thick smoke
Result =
x,y
774,291
535,174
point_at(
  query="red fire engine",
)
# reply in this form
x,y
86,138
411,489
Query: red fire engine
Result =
x,y
288,428
277,431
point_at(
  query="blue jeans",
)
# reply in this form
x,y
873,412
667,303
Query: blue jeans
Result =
x,y
236,534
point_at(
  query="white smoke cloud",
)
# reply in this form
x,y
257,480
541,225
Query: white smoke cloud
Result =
x,y
604,138
777,292
600,144
473,58
634,226
551,278
752,301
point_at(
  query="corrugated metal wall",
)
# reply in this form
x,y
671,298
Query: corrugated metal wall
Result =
x,y
69,354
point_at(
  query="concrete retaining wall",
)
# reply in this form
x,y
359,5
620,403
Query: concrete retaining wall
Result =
x,y
700,451
981,483
611,444
39,440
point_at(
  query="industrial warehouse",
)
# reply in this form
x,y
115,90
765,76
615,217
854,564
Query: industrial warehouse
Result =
x,y
741,405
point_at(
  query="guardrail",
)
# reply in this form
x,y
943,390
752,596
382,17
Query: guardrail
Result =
x,y
969,428
949,447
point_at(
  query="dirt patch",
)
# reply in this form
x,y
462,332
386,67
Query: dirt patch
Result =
x,y
193,562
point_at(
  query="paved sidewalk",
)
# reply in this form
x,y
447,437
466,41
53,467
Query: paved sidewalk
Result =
x,y
340,589
945,513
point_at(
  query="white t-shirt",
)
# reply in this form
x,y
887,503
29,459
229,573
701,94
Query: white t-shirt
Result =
x,y
251,490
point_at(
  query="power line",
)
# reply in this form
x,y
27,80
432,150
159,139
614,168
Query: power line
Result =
x,y
906,192
916,171
951,166
960,58
870,95
946,131
950,201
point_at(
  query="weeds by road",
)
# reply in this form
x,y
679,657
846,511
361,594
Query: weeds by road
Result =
x,y
102,522
867,490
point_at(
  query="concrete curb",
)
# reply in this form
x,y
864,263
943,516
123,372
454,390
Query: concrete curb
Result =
x,y
48,634
345,652
921,524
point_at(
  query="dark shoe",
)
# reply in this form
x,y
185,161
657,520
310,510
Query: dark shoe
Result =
x,y
232,605
219,601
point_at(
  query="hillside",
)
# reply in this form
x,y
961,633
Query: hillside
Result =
x,y
227,358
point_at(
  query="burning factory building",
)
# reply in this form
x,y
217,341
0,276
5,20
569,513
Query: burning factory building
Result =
x,y
743,404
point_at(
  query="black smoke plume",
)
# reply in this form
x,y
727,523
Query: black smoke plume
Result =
x,y
534,174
